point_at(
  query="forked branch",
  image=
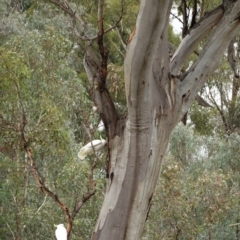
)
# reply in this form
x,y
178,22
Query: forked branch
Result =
x,y
211,55
96,69
38,178
196,35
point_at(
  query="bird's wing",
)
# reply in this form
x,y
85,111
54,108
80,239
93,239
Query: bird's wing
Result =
x,y
88,148
94,143
82,153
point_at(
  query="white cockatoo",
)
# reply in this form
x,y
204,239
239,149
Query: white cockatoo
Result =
x,y
88,148
61,232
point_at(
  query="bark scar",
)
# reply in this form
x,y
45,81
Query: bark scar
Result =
x,y
149,206
132,35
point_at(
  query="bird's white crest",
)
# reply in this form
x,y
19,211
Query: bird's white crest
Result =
x,y
88,148
101,127
61,232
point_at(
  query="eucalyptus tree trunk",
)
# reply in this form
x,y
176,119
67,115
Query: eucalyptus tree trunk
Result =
x,y
158,95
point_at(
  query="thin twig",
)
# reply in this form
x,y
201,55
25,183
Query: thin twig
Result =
x,y
67,9
11,231
45,198
100,19
80,202
121,40
120,52
179,19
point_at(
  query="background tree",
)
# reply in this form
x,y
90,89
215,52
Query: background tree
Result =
x,y
32,107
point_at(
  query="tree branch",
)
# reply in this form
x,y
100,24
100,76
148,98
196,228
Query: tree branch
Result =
x,y
194,14
37,176
232,58
221,112
45,190
67,9
11,231
76,18
196,35
202,102
80,202
210,56
91,192
102,49
175,16
99,91
183,8
96,69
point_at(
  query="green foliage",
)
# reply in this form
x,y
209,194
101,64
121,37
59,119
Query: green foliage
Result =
x,y
41,82
201,199
201,118
173,38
